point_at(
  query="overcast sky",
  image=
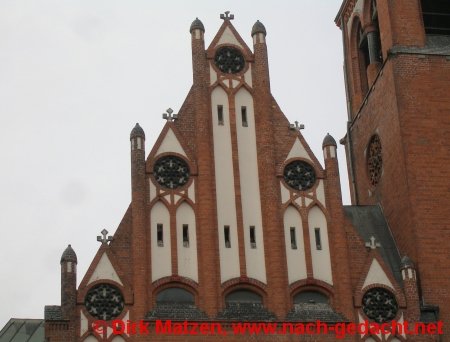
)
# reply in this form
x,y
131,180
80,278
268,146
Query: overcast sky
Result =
x,y
75,77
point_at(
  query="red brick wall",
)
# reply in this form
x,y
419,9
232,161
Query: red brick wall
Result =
x,y
408,107
424,105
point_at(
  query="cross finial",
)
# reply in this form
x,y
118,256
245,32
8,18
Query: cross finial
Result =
x,y
296,126
227,16
372,244
103,239
169,116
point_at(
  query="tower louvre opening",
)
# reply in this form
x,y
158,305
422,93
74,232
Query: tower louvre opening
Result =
x,y
436,17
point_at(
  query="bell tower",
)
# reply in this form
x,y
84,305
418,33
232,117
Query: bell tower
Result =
x,y
397,74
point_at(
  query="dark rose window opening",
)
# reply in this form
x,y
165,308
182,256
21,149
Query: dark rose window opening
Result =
x,y
104,301
229,60
171,172
299,175
379,305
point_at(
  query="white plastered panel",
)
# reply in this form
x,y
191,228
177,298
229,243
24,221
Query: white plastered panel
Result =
x,y
320,192
152,191
83,323
187,253
191,192
295,256
161,255
249,182
212,75
228,37
105,270
248,76
376,275
285,194
298,151
170,143
225,194
321,260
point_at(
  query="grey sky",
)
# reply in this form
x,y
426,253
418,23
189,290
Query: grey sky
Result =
x,y
75,76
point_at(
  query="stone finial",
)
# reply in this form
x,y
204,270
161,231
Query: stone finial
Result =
x,y
169,116
372,244
296,126
104,239
227,16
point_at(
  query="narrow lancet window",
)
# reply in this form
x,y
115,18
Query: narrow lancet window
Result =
x,y
226,232
220,114
293,238
185,235
244,116
318,242
252,237
159,234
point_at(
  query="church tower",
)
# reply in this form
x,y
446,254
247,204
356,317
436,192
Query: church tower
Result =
x,y
397,73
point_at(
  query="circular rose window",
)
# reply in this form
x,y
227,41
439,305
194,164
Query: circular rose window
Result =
x,y
229,60
299,175
104,301
379,305
171,172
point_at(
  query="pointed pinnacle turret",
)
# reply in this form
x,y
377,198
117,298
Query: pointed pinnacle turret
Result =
x,y
137,131
197,25
406,262
328,141
258,27
69,255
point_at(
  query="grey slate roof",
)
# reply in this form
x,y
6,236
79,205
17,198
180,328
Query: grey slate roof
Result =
x,y
177,311
369,221
52,313
23,330
246,312
311,312
435,45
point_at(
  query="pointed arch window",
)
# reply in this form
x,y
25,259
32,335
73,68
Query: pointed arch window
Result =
x,y
363,57
374,40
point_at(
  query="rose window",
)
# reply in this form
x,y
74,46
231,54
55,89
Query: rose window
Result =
x,y
379,305
229,60
171,172
104,301
299,175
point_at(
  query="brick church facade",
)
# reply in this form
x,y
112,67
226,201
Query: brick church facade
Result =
x,y
234,219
